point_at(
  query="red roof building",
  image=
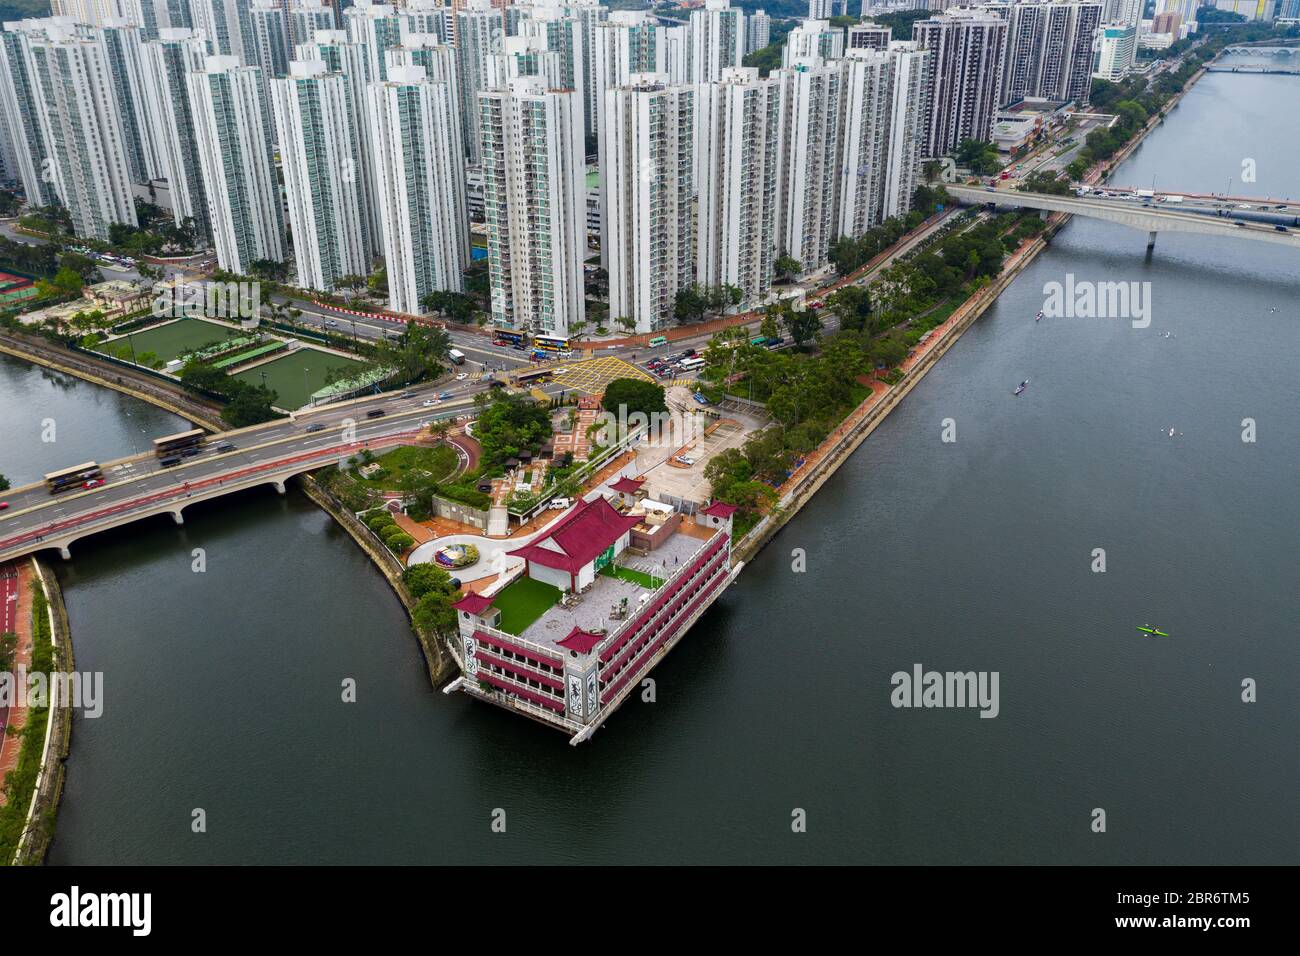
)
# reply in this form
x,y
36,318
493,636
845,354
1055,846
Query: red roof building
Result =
x,y
627,486
591,530
580,640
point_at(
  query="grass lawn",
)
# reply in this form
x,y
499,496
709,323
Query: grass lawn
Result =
x,y
170,341
440,461
297,375
523,602
638,578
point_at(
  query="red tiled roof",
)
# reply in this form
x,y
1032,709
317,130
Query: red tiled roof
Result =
x,y
627,486
473,603
720,509
580,640
581,535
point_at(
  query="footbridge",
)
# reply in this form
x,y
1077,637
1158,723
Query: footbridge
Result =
x,y
1152,214
139,487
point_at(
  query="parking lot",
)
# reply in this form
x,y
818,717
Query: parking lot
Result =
x,y
707,433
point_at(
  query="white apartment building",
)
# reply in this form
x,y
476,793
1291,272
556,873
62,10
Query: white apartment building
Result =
x,y
319,158
812,39
167,63
305,18
534,184
20,114
868,36
425,223
479,32
267,44
225,25
1049,50
758,31
375,26
353,61
909,100
736,166
124,43
649,235
244,204
967,56
524,56
717,40
808,160
81,127
1118,52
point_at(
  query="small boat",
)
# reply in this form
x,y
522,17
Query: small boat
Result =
x,y
1021,387
1152,632
1039,317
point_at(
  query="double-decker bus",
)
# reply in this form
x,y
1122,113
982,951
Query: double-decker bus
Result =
x,y
551,343
508,336
73,477
535,377
179,443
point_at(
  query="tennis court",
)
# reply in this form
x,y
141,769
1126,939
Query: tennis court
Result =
x,y
295,376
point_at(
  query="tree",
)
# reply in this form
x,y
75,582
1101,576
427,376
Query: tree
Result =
x,y
629,395
249,405
421,579
626,323
4,483
803,325
787,267
852,304
979,156
456,306
433,613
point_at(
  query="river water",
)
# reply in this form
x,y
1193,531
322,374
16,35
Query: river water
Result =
x,y
224,687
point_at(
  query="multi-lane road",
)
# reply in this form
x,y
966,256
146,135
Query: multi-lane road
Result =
x,y
34,514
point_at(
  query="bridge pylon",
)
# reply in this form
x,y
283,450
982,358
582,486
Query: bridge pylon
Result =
x,y
1151,240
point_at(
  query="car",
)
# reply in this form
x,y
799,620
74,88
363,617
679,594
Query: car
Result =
x,y
224,447
664,372
689,353
93,483
559,504
330,324
3,505
429,402
496,383
407,395
1281,228
462,376
316,427
684,459
191,451
375,413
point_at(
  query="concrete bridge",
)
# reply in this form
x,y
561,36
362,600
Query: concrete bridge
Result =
x,y
1214,218
1258,70
138,487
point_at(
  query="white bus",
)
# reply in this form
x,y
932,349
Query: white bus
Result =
x,y
457,356
690,364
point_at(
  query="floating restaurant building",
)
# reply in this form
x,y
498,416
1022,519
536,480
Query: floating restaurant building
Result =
x,y
596,600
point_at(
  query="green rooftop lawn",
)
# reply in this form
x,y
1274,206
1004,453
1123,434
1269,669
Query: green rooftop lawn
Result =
x,y
638,578
524,602
295,376
439,461
170,341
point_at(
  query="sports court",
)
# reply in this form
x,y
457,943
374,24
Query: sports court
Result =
x,y
295,376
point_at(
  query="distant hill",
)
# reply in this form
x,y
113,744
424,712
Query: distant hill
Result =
x,y
21,9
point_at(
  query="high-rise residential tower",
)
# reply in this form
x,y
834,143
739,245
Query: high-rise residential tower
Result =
x,y
534,184
319,157
649,235
967,54
736,137
239,179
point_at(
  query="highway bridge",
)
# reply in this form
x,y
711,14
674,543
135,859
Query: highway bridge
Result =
x,y
269,454
1260,220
